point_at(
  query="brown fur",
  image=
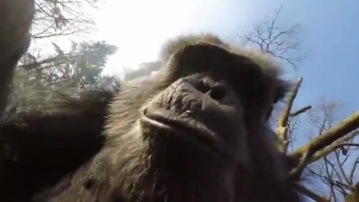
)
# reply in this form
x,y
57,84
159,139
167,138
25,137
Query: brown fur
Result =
x,y
136,162
135,166
15,22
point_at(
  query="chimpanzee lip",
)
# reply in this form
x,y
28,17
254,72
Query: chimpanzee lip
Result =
x,y
174,123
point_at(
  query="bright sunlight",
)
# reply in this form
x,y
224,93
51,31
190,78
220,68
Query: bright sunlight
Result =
x,y
138,28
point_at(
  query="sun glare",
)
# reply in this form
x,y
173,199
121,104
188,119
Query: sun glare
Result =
x,y
138,28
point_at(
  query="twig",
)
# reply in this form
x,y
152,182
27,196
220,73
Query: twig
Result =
x,y
294,173
309,193
326,151
304,109
282,129
329,136
355,165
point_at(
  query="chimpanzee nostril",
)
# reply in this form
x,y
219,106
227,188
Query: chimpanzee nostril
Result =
x,y
214,90
217,92
203,86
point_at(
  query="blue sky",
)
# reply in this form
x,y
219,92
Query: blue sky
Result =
x,y
329,36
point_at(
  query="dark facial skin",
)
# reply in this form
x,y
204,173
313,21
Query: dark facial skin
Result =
x,y
215,110
203,105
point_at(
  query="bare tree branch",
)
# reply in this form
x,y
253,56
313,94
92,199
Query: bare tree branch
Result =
x,y
278,40
340,164
333,147
354,167
309,193
282,129
300,111
328,137
61,18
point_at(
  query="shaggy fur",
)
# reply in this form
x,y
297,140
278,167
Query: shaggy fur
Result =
x,y
139,163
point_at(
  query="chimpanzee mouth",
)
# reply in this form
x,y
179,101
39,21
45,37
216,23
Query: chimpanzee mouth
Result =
x,y
184,127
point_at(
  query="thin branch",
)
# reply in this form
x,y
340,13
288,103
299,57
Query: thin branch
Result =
x,y
355,165
48,60
309,193
294,173
326,151
277,40
328,137
331,184
300,111
340,165
282,129
62,18
337,185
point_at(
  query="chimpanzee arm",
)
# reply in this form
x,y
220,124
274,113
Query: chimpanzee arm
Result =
x,y
15,21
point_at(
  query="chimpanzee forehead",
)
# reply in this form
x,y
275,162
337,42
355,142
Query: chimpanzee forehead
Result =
x,y
243,68
203,57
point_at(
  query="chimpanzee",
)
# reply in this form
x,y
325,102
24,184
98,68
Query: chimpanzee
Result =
x,y
197,132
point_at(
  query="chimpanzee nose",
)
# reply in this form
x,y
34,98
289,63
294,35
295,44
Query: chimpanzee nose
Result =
x,y
216,90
